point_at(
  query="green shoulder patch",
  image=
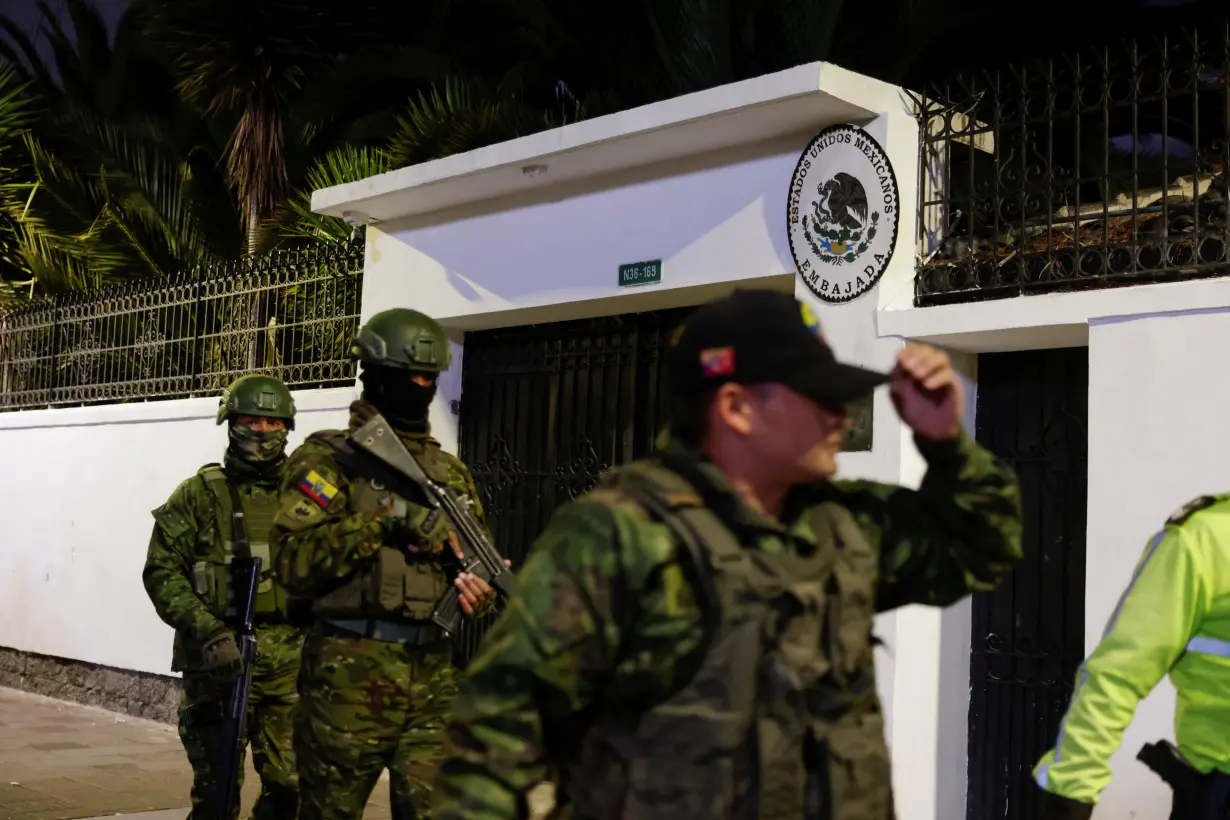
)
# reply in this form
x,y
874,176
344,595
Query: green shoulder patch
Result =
x,y
1189,509
296,512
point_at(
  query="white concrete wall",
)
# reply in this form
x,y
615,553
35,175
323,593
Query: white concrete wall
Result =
x,y
76,493
1158,437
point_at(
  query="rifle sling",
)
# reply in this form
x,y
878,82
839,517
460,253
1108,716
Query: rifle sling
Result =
x,y
239,526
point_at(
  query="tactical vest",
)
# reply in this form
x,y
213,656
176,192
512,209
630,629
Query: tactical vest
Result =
x,y
780,719
211,579
393,585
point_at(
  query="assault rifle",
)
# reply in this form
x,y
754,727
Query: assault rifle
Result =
x,y
478,554
245,581
1196,796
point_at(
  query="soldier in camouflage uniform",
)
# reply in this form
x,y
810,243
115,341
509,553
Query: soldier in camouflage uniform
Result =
x,y
186,575
378,676
693,638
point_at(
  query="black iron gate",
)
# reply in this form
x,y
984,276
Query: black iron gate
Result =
x,y
546,408
1028,636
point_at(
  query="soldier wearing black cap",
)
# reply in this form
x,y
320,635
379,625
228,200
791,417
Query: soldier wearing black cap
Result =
x,y
692,638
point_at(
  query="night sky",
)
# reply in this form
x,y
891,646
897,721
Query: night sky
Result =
x,y
26,14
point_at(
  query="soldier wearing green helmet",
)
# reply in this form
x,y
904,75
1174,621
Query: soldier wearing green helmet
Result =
x,y
187,579
373,557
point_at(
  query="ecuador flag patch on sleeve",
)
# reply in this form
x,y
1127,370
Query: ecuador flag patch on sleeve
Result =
x,y
315,487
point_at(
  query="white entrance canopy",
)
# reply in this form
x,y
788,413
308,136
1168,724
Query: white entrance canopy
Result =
x,y
798,100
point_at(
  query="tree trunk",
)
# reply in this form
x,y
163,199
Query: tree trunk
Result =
x,y
256,347
254,233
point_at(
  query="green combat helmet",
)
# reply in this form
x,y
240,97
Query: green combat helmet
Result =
x,y
402,338
257,395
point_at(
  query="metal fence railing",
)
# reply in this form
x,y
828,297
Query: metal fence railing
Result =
x,y
291,314
1098,169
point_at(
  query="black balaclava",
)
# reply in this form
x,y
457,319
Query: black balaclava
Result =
x,y
393,392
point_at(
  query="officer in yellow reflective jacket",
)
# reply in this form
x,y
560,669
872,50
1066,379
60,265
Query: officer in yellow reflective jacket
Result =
x,y
1174,618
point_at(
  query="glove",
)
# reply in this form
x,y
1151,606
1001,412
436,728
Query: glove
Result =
x,y
417,528
431,531
220,656
1057,807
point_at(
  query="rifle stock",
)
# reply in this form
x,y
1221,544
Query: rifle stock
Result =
x,y
246,574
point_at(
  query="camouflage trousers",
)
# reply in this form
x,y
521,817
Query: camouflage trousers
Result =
x,y
270,729
366,706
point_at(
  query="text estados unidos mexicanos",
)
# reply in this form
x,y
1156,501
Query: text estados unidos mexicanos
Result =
x,y
867,150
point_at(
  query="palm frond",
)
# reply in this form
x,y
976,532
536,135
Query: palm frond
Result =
x,y
21,55
16,108
90,43
458,115
217,210
127,215
16,112
295,223
147,188
56,266
68,62
381,72
11,293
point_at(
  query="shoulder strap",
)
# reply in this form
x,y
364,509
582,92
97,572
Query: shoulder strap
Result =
x,y
215,481
212,472
239,525
227,495
676,504
1180,516
667,498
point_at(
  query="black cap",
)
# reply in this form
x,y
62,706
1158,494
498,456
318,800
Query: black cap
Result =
x,y
763,336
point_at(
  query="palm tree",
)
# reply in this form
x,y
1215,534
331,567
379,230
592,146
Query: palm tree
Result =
x,y
15,117
121,178
452,117
145,164
245,63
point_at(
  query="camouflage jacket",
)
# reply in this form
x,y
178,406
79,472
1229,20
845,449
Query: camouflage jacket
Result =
x,y
321,534
607,619
187,538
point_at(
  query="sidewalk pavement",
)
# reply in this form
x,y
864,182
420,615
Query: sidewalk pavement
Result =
x,y
65,761
62,761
